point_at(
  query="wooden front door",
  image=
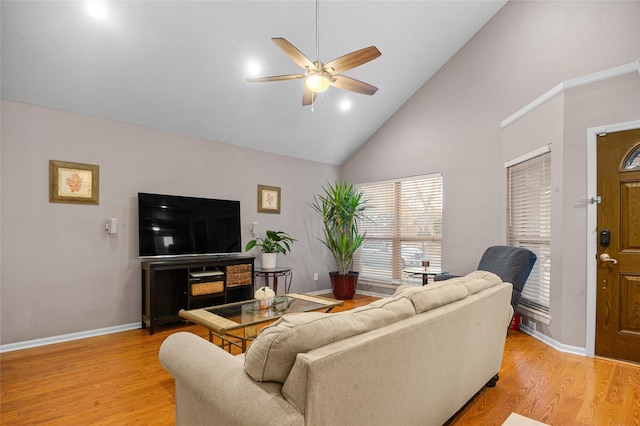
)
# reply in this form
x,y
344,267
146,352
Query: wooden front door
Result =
x,y
618,275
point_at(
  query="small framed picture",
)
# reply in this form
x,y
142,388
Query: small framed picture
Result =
x,y
268,199
73,182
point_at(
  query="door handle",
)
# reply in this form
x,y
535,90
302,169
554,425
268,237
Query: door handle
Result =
x,y
606,258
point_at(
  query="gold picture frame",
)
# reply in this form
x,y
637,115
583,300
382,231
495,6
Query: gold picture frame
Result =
x,y
268,199
73,182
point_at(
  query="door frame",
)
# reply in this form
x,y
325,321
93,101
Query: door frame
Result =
x,y
592,245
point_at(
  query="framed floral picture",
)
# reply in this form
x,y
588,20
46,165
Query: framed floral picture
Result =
x,y
268,199
73,182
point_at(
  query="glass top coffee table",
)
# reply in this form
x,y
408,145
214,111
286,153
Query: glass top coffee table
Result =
x,y
244,316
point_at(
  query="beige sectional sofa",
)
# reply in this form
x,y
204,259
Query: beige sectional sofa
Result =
x,y
411,359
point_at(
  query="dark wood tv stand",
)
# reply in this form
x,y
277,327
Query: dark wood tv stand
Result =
x,y
169,285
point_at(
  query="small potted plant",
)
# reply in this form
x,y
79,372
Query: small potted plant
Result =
x,y
341,208
272,243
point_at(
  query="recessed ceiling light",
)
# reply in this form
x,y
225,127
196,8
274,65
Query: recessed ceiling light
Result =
x,y
345,105
253,68
97,9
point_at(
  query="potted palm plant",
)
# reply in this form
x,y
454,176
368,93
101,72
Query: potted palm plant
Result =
x,y
341,207
272,243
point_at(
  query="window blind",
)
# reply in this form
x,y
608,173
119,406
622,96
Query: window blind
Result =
x,y
529,225
405,227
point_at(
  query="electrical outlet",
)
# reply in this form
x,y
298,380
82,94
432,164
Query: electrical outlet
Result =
x,y
315,276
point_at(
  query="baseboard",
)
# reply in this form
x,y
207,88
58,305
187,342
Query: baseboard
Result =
x,y
575,350
373,293
67,337
318,292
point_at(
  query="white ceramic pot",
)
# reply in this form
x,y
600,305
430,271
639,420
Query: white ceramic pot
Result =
x,y
269,260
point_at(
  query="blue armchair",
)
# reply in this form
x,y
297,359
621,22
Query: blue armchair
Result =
x,y
511,264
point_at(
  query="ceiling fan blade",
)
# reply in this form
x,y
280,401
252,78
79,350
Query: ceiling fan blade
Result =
x,y
308,97
276,78
294,54
348,83
352,60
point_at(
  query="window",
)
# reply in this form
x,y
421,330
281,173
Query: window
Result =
x,y
529,225
405,227
633,161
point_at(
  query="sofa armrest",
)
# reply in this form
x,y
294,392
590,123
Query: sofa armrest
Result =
x,y
212,387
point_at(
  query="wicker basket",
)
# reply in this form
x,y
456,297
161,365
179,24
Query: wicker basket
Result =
x,y
239,275
209,287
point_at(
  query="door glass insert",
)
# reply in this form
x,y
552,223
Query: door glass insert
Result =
x,y
633,160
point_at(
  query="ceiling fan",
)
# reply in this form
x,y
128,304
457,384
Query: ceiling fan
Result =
x,y
318,76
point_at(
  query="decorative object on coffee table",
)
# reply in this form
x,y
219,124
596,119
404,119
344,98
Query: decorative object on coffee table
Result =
x,y
73,182
264,296
272,243
341,207
268,199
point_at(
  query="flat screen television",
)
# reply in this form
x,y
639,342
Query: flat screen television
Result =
x,y
171,225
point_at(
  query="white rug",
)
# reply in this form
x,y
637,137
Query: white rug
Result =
x,y
518,420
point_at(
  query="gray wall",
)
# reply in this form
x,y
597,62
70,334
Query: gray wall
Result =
x,y
563,122
452,125
62,273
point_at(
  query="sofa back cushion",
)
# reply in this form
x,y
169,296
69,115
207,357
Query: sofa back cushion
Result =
x,y
428,297
272,354
477,281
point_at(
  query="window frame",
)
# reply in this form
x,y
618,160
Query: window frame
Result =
x,y
394,237
536,296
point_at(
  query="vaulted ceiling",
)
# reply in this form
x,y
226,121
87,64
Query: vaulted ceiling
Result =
x,y
181,66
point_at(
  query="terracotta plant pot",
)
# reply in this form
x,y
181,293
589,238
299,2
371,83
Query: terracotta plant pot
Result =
x,y
344,286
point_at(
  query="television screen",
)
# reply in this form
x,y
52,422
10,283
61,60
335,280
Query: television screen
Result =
x,y
171,225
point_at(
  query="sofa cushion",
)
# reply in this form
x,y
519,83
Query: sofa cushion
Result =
x,y
431,296
479,280
272,354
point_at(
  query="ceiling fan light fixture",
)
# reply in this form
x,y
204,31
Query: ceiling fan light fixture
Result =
x,y
316,82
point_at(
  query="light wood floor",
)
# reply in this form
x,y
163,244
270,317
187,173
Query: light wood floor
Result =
x,y
117,380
